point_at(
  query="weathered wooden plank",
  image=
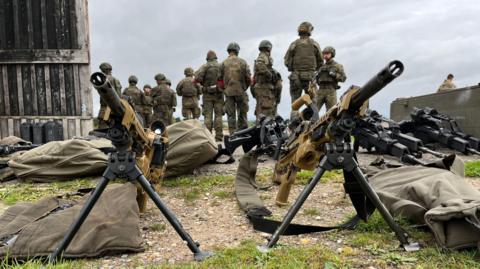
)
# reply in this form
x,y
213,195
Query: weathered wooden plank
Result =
x,y
6,91
65,128
2,101
33,83
29,11
78,127
48,90
72,5
13,90
27,90
55,86
87,126
10,127
61,85
43,18
52,26
45,117
64,16
69,90
22,18
19,90
9,29
3,41
77,93
41,90
82,24
4,127
86,90
36,14
71,128
44,56
16,27
16,127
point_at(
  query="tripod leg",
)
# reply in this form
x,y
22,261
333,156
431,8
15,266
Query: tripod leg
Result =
x,y
296,207
192,245
367,189
72,231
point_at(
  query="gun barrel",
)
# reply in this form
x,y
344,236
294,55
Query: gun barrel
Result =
x,y
378,82
100,81
434,153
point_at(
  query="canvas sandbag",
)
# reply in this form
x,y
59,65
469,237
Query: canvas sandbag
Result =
x,y
439,198
62,160
34,229
190,145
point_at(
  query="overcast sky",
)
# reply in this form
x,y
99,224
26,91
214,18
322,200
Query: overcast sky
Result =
x,y
431,38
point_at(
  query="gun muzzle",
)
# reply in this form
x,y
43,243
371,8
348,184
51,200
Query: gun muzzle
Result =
x,y
100,81
375,84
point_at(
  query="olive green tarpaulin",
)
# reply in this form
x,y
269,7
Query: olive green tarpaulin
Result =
x,y
30,230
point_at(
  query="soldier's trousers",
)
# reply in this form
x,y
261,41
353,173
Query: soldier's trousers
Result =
x,y
190,113
213,113
164,116
327,96
147,118
237,106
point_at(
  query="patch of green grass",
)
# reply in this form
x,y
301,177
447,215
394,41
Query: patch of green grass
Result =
x,y
37,264
304,176
311,212
202,182
190,194
223,194
158,227
27,192
472,169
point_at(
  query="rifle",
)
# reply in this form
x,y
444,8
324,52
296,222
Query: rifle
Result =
x,y
140,154
325,144
431,129
9,149
376,131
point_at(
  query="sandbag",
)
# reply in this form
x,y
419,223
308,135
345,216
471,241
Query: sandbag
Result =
x,y
62,160
30,230
190,145
439,198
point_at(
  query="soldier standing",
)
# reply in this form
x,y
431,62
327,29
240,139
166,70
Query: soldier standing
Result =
x,y
190,91
330,74
147,105
447,84
164,101
235,80
106,68
265,86
135,94
213,100
303,59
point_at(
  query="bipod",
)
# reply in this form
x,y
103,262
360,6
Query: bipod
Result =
x,y
341,157
122,164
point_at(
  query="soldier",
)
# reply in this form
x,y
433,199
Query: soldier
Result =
x,y
447,84
330,74
106,68
147,104
164,101
190,91
135,94
213,100
235,80
265,86
302,59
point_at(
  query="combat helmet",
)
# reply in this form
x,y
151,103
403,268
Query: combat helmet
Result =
x,y
305,28
105,67
211,55
159,77
132,79
233,47
265,44
168,82
329,49
188,71
147,86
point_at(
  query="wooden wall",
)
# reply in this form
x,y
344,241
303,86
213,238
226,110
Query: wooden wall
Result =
x,y
45,65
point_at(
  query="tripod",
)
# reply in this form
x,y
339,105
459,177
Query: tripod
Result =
x,y
122,164
340,156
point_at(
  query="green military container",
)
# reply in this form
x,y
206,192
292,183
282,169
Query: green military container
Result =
x,y
462,104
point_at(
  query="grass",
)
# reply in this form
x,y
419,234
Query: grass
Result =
x,y
192,188
472,169
304,176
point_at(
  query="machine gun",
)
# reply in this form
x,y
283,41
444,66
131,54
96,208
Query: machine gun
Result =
x,y
324,144
375,131
140,154
9,149
430,127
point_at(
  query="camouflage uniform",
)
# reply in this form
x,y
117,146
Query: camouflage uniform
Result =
x,y
106,68
189,90
302,59
135,94
147,105
235,76
213,99
329,75
164,101
265,80
447,85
